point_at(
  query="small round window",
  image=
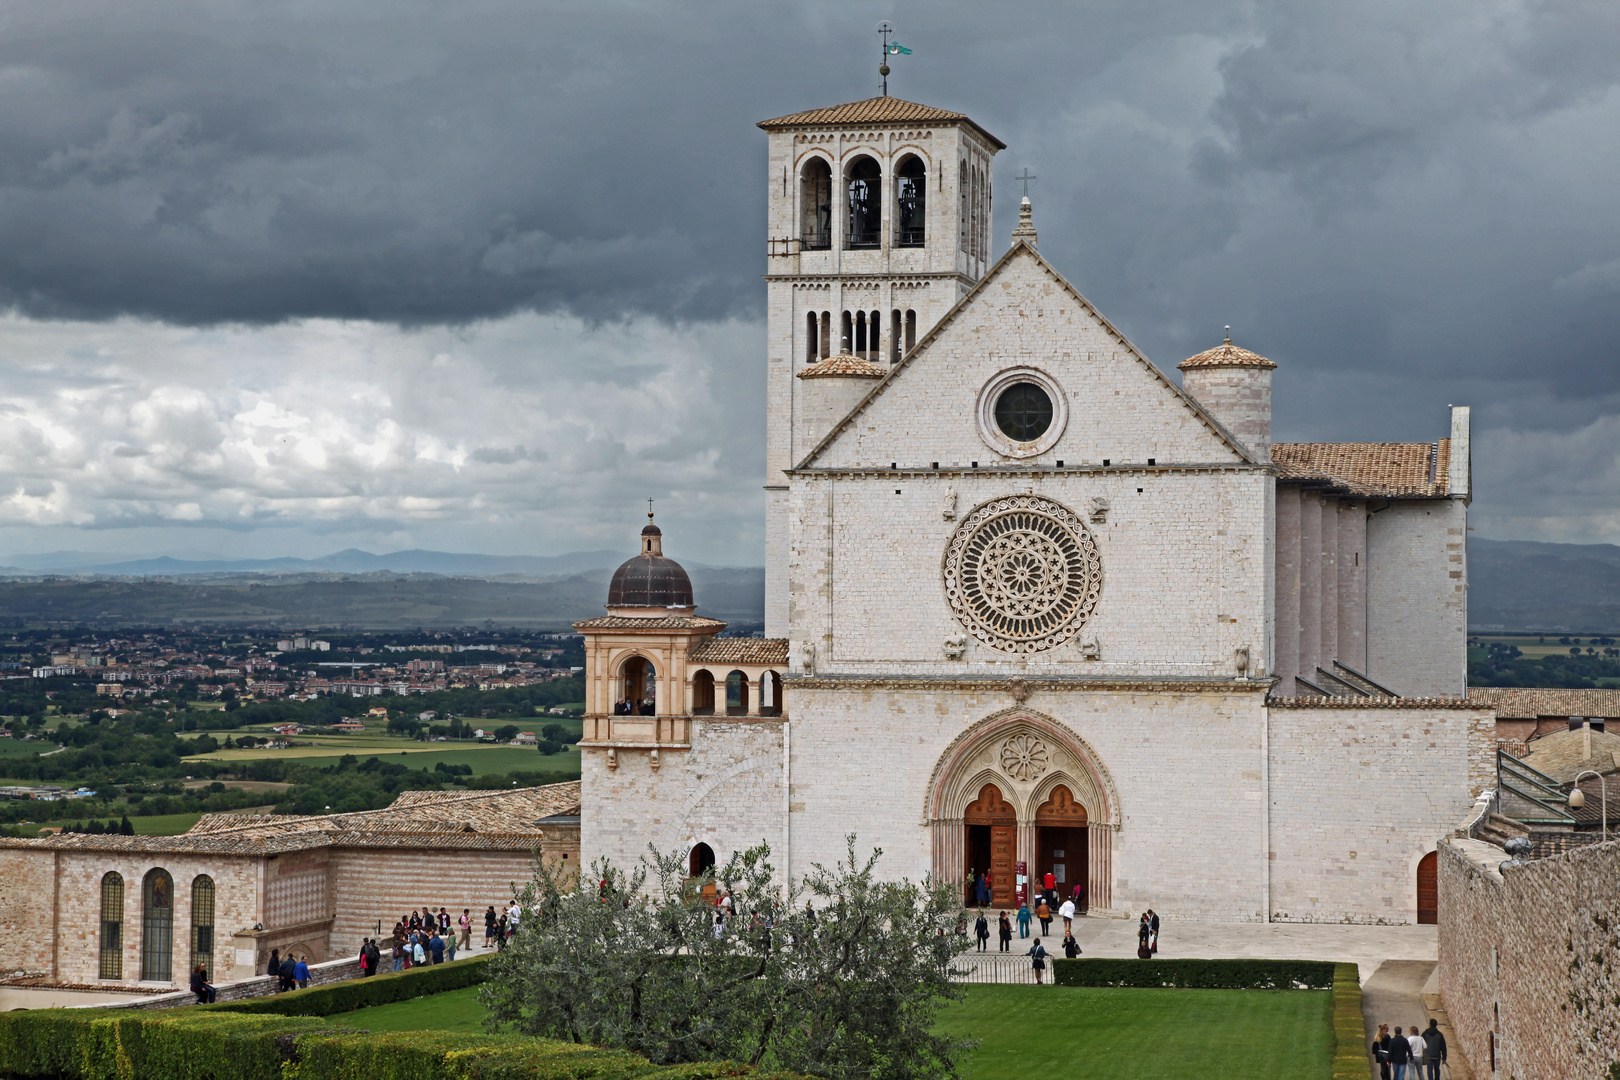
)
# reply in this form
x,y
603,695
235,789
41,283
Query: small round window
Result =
x,y
1023,412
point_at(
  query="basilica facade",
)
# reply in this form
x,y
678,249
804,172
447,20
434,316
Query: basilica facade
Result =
x,y
1034,606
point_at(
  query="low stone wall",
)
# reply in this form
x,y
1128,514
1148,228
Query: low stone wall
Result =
x,y
1528,961
258,986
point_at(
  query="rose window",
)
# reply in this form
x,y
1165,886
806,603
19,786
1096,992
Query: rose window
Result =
x,y
1023,757
1022,574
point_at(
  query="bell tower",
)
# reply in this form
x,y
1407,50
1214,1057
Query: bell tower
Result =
x,y
878,223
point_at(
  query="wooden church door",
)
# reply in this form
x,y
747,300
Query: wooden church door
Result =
x,y
991,814
1428,890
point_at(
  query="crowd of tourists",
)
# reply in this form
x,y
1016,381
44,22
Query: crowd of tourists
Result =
x,y
1412,1056
423,936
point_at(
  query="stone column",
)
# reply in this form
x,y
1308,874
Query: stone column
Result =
x,y
1353,586
1329,642
1310,585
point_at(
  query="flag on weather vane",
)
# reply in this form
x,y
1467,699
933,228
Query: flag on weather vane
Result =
x,y
897,49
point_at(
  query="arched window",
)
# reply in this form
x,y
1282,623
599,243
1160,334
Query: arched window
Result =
x,y
157,927
826,334
846,342
865,204
701,859
911,191
703,693
736,694
812,335
911,330
815,206
112,926
962,207
638,691
895,335
202,922
770,694
874,322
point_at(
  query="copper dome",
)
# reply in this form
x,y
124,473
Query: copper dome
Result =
x,y
650,580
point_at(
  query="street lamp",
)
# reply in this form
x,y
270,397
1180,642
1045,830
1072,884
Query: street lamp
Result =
x,y
1577,797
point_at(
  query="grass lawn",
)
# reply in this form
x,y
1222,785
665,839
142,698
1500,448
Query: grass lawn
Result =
x,y
18,748
453,1010
1081,1033
1069,1032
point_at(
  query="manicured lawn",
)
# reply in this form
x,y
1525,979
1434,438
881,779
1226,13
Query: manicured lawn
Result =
x,y
1097,1034
1073,1033
453,1010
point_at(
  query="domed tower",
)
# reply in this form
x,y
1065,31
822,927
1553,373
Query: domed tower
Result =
x,y
637,656
1234,386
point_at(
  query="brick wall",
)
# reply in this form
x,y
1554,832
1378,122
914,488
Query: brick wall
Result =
x,y
1528,960
1358,796
371,885
27,912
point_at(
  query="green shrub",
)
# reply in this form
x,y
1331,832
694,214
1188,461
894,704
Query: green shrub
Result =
x,y
352,994
1196,974
1351,1051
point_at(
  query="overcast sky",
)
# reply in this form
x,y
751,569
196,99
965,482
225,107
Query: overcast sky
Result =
x,y
288,278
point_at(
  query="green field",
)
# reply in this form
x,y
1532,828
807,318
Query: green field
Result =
x,y
17,748
1069,1032
492,760
156,825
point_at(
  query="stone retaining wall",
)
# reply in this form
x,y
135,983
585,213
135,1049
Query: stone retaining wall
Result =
x,y
259,986
1528,961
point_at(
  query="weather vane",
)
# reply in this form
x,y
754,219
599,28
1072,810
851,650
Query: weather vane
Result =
x,y
890,48
1026,177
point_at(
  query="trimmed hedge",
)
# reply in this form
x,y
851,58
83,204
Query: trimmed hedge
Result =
x,y
1351,1052
201,1044
352,994
1196,974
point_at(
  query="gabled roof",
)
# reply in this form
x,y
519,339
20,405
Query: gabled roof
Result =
x,y
767,651
844,365
1381,470
878,110
1022,246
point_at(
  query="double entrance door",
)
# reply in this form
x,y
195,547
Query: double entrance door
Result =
x,y
1060,849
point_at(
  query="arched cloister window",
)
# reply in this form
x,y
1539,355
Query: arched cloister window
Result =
x,y
911,330
874,322
812,335
701,859
703,693
911,188
865,188
202,922
770,694
826,334
858,346
815,205
638,691
157,926
895,335
736,694
846,340
112,926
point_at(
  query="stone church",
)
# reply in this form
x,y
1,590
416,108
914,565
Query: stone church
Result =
x,y
1031,602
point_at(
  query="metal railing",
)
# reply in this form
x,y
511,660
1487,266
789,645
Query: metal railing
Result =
x,y
999,967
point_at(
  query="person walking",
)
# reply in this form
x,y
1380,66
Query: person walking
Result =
x,y
1380,1051
1400,1055
450,948
1071,947
1434,1049
1043,912
1006,932
1023,920
466,928
201,987
419,954
1067,912
1142,934
981,930
1037,953
289,967
444,923
1153,929
1419,1047
301,973
489,926
436,948
982,889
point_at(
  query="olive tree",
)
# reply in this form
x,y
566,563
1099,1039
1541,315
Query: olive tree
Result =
x,y
838,976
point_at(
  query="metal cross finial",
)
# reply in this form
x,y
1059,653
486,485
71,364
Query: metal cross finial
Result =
x,y
649,509
884,29
1228,335
1026,176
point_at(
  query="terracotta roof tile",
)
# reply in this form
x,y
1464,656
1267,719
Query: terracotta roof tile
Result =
x,y
1562,754
844,365
1226,354
761,651
1523,702
878,110
669,622
1388,470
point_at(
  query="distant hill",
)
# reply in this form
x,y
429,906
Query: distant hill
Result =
x,y
378,601
349,561
1526,585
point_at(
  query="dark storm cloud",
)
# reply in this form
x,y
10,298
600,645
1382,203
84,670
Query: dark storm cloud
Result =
x,y
1404,205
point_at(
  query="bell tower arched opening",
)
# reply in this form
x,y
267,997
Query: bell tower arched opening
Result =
x,y
865,194
911,202
638,687
815,205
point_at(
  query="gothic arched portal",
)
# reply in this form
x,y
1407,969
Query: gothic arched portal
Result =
x,y
1021,779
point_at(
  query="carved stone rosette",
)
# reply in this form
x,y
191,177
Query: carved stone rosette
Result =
x,y
1022,573
1024,757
